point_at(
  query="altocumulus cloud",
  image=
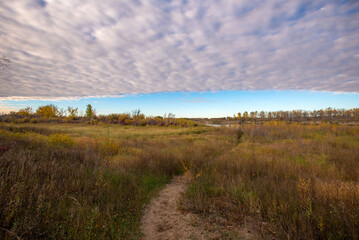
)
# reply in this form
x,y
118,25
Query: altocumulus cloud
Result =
x,y
81,48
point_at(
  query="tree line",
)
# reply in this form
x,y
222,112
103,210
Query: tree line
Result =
x,y
300,115
52,113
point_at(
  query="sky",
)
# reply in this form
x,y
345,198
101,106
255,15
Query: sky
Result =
x,y
191,58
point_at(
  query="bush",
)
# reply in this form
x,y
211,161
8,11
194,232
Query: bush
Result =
x,y
60,140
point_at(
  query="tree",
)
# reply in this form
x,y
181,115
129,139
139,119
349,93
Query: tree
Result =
x,y
25,111
62,112
305,114
171,115
253,115
90,111
72,112
270,115
4,62
245,115
321,113
48,111
262,114
136,113
329,112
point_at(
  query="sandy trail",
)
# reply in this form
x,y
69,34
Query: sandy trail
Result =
x,y
163,220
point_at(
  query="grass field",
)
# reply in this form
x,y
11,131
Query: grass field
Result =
x,y
73,181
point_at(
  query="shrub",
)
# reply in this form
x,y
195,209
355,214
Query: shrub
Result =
x,y
60,140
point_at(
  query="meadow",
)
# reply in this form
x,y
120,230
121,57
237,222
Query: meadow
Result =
x,y
78,181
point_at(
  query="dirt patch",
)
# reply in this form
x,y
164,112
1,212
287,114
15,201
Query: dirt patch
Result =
x,y
163,220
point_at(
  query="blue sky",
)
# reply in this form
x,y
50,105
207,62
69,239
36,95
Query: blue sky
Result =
x,y
204,104
191,58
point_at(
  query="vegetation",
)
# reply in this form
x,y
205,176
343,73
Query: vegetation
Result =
x,y
47,111
287,180
52,114
300,115
72,112
90,112
85,182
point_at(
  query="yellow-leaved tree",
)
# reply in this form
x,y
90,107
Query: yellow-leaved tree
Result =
x,y
48,111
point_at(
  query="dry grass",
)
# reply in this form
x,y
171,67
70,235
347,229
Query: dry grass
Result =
x,y
91,182
55,186
296,181
86,182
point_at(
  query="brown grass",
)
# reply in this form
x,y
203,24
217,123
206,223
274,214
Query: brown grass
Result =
x,y
87,182
91,182
295,181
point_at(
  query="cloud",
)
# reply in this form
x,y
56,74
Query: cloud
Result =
x,y
71,49
41,98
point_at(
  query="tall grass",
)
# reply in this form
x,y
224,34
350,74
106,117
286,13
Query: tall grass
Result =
x,y
59,187
91,182
87,182
294,181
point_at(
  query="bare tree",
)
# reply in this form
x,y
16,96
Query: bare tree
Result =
x,y
4,62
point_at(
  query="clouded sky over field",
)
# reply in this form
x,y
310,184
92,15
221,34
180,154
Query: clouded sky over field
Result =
x,y
87,48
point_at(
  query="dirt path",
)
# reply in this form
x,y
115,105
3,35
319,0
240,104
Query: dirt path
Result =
x,y
163,220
